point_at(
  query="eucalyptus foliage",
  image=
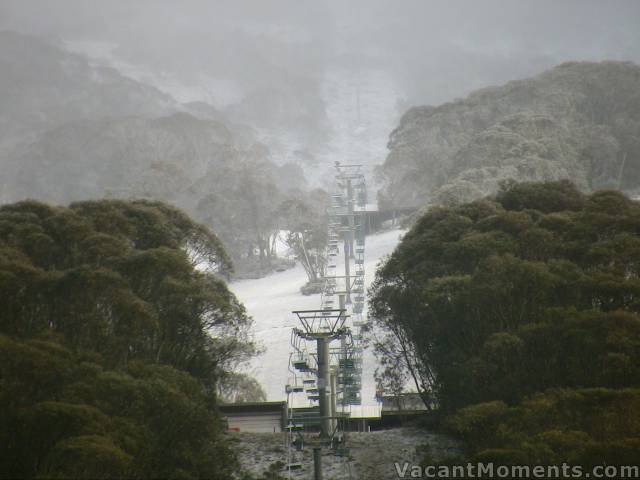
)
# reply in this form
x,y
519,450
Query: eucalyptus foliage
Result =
x,y
577,121
503,299
112,343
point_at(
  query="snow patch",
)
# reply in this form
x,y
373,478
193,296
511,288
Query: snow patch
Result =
x,y
270,301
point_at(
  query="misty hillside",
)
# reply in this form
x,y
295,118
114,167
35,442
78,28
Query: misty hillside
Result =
x,y
76,132
42,86
579,121
118,156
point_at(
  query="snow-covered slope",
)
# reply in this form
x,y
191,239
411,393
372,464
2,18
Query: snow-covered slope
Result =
x,y
271,299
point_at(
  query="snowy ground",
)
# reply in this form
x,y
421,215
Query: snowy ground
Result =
x,y
271,299
371,455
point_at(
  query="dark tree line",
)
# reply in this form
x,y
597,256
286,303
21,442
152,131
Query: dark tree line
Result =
x,y
506,309
112,343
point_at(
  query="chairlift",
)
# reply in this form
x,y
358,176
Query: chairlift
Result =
x,y
301,365
346,363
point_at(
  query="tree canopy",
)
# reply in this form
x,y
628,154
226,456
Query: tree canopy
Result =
x,y
577,121
497,300
113,343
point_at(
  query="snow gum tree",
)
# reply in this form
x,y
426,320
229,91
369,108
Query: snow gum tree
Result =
x,y
112,345
304,219
520,315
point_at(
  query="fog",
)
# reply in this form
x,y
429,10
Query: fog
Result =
x,y
311,82
235,54
382,56
433,50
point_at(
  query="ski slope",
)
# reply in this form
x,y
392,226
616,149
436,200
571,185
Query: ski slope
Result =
x,y
271,299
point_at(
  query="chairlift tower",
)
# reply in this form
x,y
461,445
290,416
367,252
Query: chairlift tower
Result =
x,y
347,225
331,376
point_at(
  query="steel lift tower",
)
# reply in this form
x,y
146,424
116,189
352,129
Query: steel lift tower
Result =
x,y
331,376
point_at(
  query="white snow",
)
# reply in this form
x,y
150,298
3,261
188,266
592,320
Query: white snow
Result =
x,y
270,301
371,455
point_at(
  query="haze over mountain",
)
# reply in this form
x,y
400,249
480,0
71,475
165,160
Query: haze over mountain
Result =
x,y
43,86
75,131
328,80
